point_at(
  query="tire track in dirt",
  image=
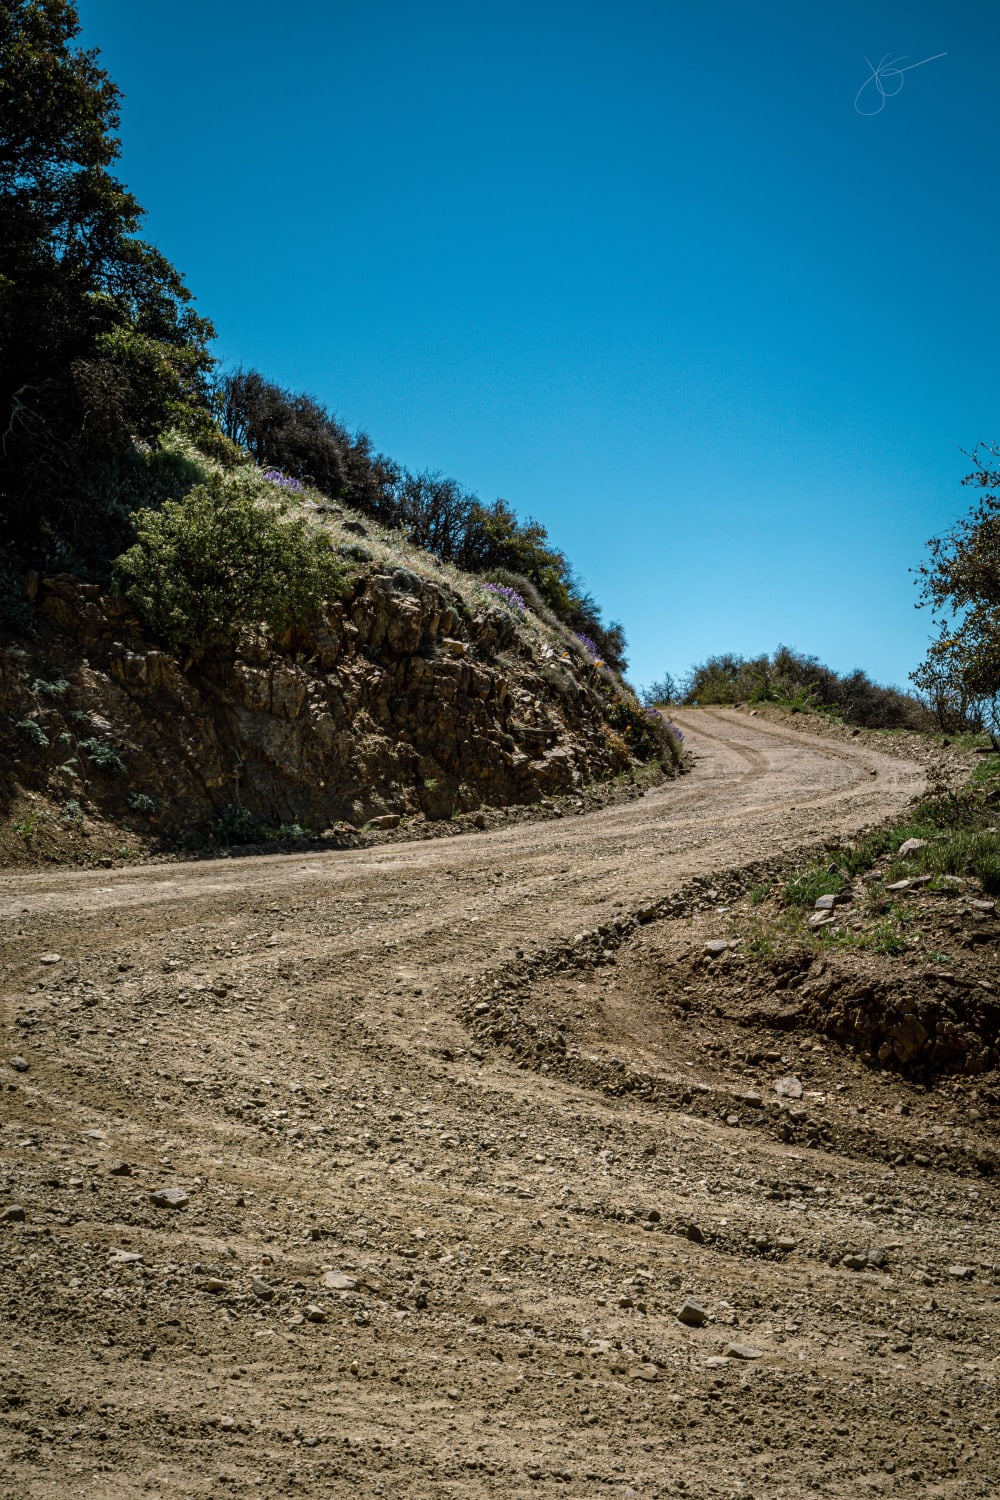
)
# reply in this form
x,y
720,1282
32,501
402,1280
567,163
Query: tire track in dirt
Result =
x,y
279,1037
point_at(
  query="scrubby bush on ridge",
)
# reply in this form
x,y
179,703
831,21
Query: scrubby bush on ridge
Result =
x,y
802,682
204,568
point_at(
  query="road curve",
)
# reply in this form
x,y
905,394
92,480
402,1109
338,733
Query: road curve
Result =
x,y
756,790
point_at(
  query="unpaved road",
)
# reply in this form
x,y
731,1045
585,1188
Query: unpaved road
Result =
x,y
279,1038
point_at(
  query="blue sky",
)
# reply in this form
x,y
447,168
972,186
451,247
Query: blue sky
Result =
x,y
640,269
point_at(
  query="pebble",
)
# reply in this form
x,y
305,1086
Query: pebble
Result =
x,y
19,1064
693,1314
855,1262
169,1198
213,1284
717,1362
695,1234
338,1282
787,1242
825,903
12,1214
315,1314
788,1088
124,1258
644,1372
910,846
743,1351
961,1273
716,947
262,1289
50,958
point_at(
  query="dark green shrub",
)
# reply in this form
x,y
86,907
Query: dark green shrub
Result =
x,y
220,561
33,733
58,687
235,825
104,756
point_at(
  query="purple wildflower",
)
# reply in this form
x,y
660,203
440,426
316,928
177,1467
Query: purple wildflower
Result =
x,y
275,476
588,645
508,595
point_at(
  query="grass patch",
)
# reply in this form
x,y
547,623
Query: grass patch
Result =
x,y
885,936
805,888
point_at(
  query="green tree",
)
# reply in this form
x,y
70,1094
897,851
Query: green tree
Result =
x,y
99,345
960,583
204,569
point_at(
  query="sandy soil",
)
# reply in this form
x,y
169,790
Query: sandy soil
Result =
x,y
403,1264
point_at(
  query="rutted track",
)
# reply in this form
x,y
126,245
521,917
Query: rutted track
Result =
x,y
280,1037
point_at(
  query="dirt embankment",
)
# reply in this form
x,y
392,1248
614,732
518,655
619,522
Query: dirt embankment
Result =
x,y
279,1216
408,702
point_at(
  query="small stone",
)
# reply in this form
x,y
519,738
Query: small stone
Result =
x,y
50,958
644,1372
261,1289
213,1284
732,1120
479,820
910,846
315,1314
900,885
19,1064
876,1259
120,1169
693,1314
124,1258
717,1362
788,1088
961,1273
743,1351
695,1234
386,821
169,1198
227,1424
786,1242
825,903
12,1214
716,947
855,1262
338,1282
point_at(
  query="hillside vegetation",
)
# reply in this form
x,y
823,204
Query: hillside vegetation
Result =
x,y
802,683
223,612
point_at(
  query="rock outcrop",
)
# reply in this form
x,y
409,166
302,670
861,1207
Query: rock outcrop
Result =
x,y
403,700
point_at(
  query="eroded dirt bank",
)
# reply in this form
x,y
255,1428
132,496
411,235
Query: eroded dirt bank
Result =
x,y
404,1265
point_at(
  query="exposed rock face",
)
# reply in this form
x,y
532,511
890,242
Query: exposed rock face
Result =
x,y
401,701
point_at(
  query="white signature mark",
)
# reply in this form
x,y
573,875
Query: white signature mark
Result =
x,y
887,73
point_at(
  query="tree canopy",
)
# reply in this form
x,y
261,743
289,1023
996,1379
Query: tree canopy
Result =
x,y
960,583
99,344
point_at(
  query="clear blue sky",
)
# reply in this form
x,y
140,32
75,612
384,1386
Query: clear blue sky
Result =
x,y
641,269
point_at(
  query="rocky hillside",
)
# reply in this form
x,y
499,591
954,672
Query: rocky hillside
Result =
x,y
420,695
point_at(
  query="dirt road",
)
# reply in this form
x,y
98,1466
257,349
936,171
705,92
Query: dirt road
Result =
x,y
396,1264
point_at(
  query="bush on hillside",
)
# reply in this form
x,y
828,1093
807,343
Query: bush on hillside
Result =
x,y
220,561
297,435
802,682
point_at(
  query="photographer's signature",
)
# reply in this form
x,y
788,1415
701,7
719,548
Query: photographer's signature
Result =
x,y
886,80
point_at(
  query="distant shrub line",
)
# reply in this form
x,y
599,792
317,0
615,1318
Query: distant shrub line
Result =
x,y
802,683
